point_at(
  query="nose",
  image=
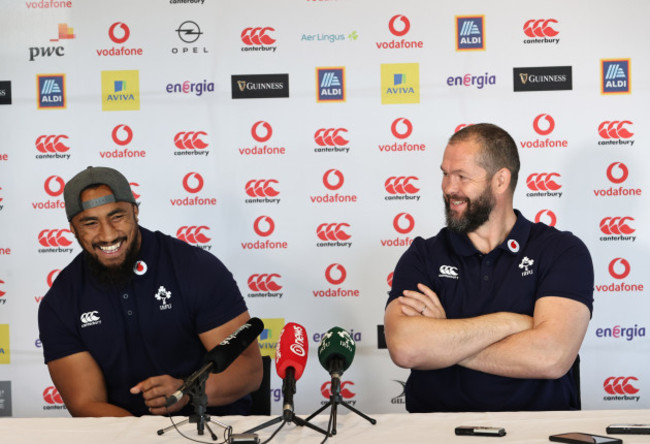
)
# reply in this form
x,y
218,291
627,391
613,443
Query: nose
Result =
x,y
107,232
449,185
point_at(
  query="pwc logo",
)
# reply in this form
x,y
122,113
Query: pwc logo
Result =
x,y
620,385
619,268
333,235
403,223
402,188
54,186
51,396
264,226
52,146
193,234
547,217
193,182
541,31
346,392
190,140
616,225
265,282
331,140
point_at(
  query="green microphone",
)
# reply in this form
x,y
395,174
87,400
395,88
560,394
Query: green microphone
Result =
x,y
336,351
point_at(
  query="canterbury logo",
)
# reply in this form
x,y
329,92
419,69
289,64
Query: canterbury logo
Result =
x,y
54,186
52,144
546,216
193,234
54,238
333,179
346,393
615,129
264,282
257,36
540,28
620,385
401,185
543,182
619,268
191,178
333,232
88,317
617,172
122,135
546,128
261,188
616,225
119,36
401,128
51,396
261,131
264,226
335,274
399,25
331,137
190,140
448,271
402,227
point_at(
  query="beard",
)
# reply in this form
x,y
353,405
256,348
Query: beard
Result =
x,y
477,212
118,275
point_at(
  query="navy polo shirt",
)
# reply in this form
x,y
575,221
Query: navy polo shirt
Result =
x,y
148,328
535,261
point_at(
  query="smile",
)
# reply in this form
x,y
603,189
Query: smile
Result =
x,y
110,249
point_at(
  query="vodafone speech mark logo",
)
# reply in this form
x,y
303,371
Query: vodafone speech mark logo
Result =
x,y
399,25
617,172
122,135
193,234
264,226
619,268
461,126
333,179
401,128
547,217
119,32
261,131
193,182
616,225
335,274
54,238
51,276
52,143
620,385
543,182
51,396
190,140
540,28
331,137
346,393
264,282
257,36
261,188
401,185
333,231
544,124
615,129
54,186
403,223
389,279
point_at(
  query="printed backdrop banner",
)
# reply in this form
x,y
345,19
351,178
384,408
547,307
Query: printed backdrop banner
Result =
x,y
300,142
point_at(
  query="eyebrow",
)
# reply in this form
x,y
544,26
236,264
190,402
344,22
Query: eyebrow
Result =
x,y
112,213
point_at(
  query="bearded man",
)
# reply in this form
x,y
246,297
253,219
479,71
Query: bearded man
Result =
x,y
136,311
491,312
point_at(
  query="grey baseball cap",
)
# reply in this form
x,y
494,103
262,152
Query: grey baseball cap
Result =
x,y
95,176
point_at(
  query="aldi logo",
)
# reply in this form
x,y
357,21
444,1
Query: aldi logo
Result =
x,y
120,91
51,91
330,84
400,83
470,33
615,76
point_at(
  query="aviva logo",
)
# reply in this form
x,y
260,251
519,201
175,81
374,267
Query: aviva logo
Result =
x,y
5,355
120,91
400,83
270,336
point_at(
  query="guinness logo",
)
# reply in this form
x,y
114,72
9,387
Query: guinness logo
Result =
x,y
241,84
523,77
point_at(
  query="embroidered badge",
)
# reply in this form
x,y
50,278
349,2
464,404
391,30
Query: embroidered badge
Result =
x,y
525,263
163,295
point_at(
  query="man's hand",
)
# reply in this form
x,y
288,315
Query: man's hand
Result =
x,y
156,390
423,303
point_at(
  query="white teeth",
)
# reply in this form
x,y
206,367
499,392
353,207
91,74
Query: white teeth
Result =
x,y
111,248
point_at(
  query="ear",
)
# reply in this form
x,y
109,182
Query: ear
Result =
x,y
501,180
72,229
135,212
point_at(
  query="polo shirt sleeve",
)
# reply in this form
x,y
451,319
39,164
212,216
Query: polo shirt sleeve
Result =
x,y
57,330
411,269
568,271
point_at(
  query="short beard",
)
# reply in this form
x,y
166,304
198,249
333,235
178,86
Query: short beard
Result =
x,y
477,213
117,276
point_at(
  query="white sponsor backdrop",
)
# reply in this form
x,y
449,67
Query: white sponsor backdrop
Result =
x,y
354,35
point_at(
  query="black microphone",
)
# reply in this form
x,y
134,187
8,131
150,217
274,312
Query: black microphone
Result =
x,y
221,356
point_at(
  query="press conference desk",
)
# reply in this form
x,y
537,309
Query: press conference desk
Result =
x,y
521,427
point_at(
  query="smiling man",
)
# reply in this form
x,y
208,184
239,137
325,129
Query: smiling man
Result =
x,y
136,311
490,313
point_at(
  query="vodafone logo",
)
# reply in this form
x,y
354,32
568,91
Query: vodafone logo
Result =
x,y
403,223
335,274
401,128
51,396
264,226
461,126
54,186
193,234
193,182
389,279
399,25
547,217
122,135
620,385
51,276
616,225
331,137
119,32
544,124
617,172
543,182
261,131
54,238
346,392
264,282
257,36
333,231
190,140
619,268
261,188
540,28
52,143
401,185
132,185
333,179
615,129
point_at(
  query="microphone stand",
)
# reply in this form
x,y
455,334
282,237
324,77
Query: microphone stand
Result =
x,y
336,399
199,400
288,416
